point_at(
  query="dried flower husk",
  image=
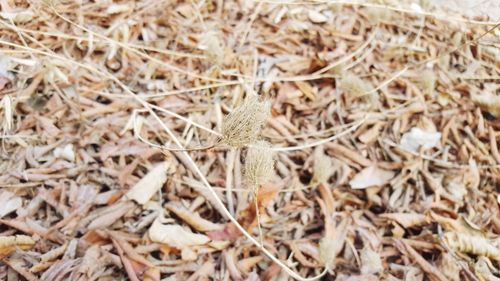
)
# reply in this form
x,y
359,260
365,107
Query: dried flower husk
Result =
x,y
259,164
242,126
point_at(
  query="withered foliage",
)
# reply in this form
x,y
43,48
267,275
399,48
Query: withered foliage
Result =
x,y
90,91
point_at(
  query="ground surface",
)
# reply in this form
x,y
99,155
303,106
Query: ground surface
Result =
x,y
354,142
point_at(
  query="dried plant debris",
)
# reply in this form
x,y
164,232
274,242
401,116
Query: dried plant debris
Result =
x,y
175,235
371,176
370,261
243,125
489,103
417,138
150,184
356,87
259,164
9,203
92,93
9,244
472,244
322,167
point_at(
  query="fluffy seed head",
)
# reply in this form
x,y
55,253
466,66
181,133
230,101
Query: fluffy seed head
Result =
x,y
259,164
242,126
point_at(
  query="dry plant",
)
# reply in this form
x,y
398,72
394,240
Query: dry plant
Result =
x,y
258,169
472,244
243,125
259,164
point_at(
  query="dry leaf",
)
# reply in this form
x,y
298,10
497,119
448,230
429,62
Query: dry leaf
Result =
x,y
370,261
489,103
193,218
449,266
371,176
246,265
472,244
485,269
9,202
66,152
416,138
316,17
22,16
109,215
6,105
9,244
142,191
175,235
118,8
405,219
4,81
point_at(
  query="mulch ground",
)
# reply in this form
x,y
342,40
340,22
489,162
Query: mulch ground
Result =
x,y
248,140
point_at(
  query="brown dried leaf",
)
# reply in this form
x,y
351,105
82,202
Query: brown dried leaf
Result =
x,y
9,244
110,214
472,244
416,138
246,265
417,258
193,218
488,102
175,235
9,203
370,261
406,219
371,176
142,191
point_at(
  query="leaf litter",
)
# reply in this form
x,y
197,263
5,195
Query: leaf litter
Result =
x,y
346,141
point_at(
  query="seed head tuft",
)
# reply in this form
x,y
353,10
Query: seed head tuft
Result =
x,y
259,164
242,126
